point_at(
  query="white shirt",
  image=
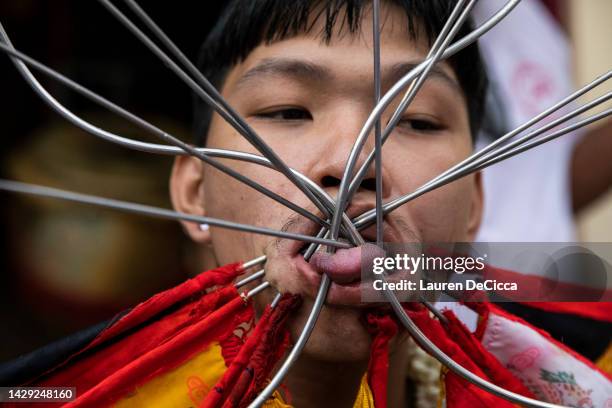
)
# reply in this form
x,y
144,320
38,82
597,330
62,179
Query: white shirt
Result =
x,y
527,197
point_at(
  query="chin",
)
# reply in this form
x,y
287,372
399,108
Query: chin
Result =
x,y
339,334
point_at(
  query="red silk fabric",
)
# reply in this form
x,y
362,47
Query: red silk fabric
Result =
x,y
139,338
250,368
383,329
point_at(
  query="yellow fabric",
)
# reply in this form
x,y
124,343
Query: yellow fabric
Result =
x,y
185,386
365,398
605,361
188,384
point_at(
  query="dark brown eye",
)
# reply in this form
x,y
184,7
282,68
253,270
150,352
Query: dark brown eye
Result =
x,y
290,114
420,125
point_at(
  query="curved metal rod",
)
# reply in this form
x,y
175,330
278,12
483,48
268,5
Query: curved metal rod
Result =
x,y
396,89
547,112
308,325
452,365
545,139
25,188
313,315
434,54
276,380
181,148
490,161
412,329
377,127
532,135
259,288
228,114
469,165
250,278
434,311
449,31
264,284
276,299
297,348
253,262
20,59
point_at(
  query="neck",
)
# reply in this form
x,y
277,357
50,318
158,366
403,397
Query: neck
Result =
x,y
316,383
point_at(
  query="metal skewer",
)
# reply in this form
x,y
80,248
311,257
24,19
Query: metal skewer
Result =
x,y
546,113
439,355
377,129
257,289
228,114
24,188
449,31
532,135
250,278
309,325
313,315
151,128
182,148
468,166
318,196
534,143
395,90
254,262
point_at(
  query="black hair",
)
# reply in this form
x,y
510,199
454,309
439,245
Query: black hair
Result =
x,y
246,24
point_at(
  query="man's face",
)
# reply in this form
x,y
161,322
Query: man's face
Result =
x,y
308,100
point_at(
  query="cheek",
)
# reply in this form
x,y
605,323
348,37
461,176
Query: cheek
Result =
x,y
232,200
443,214
414,160
282,274
226,200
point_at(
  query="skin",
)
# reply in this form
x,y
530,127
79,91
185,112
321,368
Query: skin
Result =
x,y
591,168
308,100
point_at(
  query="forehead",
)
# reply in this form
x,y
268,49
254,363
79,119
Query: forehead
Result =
x,y
346,59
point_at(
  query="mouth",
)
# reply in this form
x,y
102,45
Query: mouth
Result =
x,y
343,267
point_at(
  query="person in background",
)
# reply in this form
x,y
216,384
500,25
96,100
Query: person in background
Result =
x,y
535,196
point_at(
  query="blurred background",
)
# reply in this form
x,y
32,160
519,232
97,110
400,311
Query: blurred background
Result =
x,y
66,266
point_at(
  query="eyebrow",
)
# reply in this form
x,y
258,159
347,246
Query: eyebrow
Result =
x,y
397,71
298,69
307,71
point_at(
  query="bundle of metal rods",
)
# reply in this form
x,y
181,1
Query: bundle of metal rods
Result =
x,y
335,223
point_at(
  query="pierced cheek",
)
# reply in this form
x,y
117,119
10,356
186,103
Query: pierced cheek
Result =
x,y
283,276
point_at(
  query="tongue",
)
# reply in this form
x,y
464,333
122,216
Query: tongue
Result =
x,y
344,266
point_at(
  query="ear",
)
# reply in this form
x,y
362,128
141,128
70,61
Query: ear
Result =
x,y
187,195
476,207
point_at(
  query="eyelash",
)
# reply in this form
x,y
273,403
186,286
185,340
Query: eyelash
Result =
x,y
420,125
294,114
287,114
